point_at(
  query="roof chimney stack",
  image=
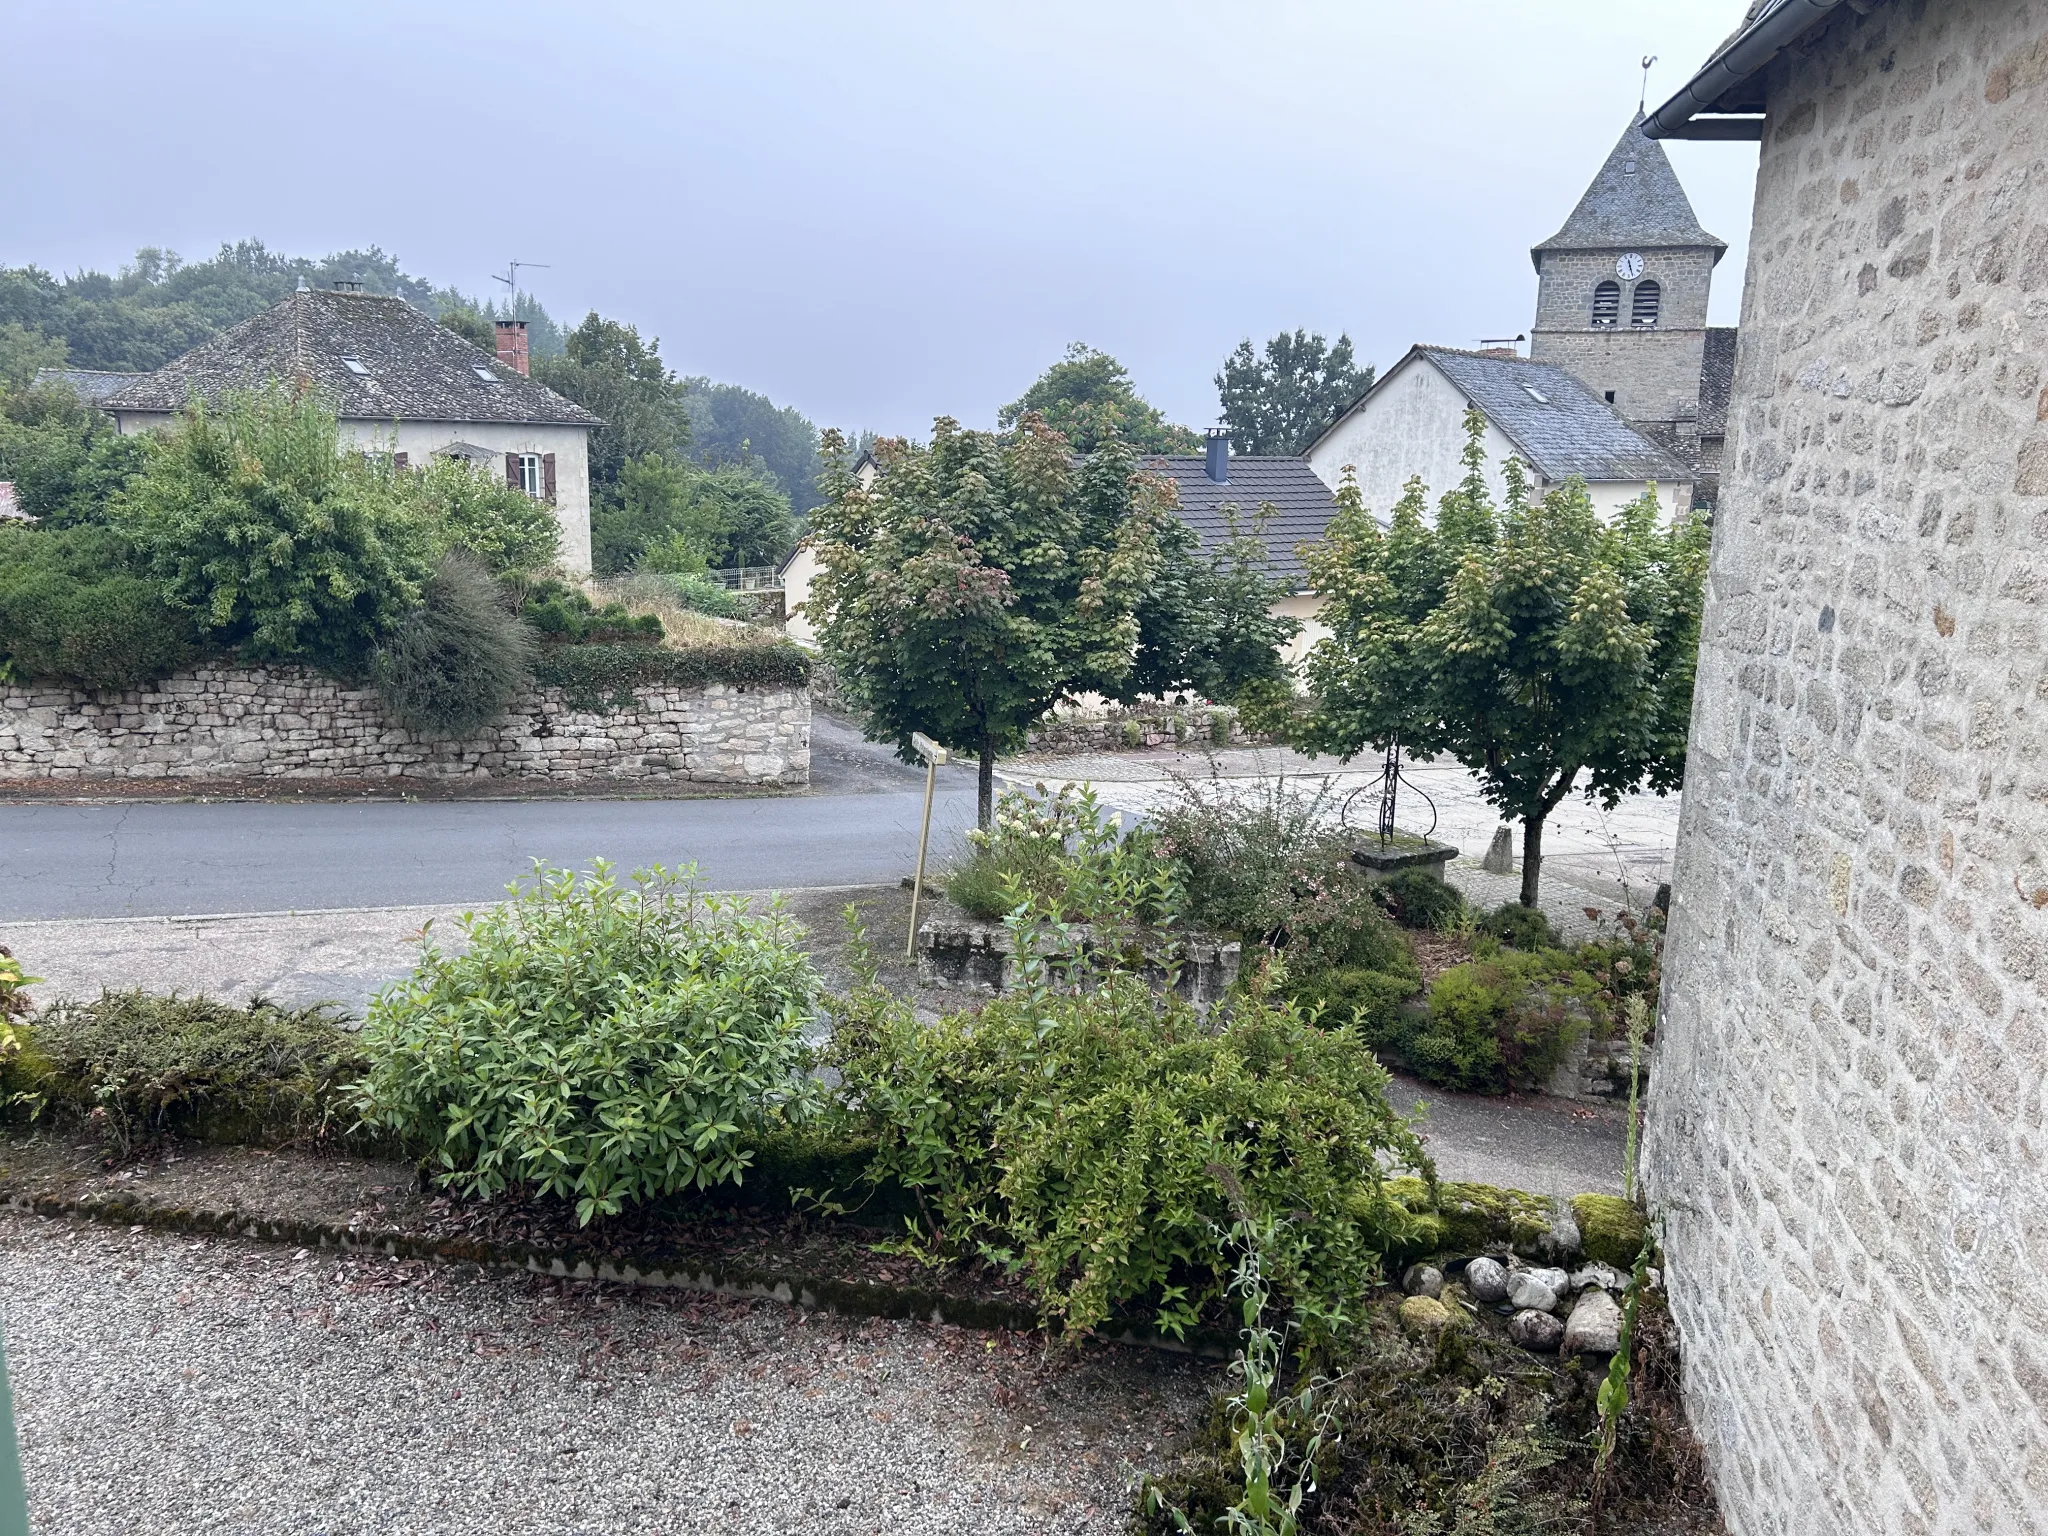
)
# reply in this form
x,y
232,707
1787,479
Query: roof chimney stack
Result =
x,y
1218,467
512,344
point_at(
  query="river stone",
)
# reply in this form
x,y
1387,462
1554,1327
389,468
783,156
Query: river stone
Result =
x,y
1605,1276
1487,1281
1425,1316
1595,1326
1423,1280
1529,1294
1559,1282
1535,1330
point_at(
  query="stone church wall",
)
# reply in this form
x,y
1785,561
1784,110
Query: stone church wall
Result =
x,y
1848,1130
1655,374
220,724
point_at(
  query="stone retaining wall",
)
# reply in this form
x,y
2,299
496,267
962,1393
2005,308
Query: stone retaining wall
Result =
x,y
288,723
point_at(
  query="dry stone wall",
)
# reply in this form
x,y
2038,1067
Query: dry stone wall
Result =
x,y
287,723
1847,1127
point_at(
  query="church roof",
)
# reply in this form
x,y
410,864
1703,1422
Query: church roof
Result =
x,y
1559,426
1635,202
1302,504
373,357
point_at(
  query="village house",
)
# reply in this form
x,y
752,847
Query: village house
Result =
x,y
400,383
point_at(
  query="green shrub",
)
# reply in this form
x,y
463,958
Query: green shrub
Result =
x,y
603,677
700,594
1498,1024
595,1043
139,1066
277,543
469,509
1520,927
453,665
1060,853
1414,898
74,611
1372,1001
66,458
562,615
1076,1140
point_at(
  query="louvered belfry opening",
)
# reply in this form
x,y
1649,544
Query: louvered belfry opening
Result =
x,y
1607,303
1643,308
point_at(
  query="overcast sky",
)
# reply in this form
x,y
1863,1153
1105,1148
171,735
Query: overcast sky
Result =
x,y
877,212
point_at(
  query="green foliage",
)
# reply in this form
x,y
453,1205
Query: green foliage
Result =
x,y
468,509
608,369
700,594
14,984
1613,1398
734,426
602,678
595,1043
981,580
1370,1001
74,611
138,1066
64,457
1206,622
1415,898
1498,1024
1062,856
1282,402
474,328
1087,398
1520,927
564,615
668,514
1531,642
1071,1137
452,665
23,351
274,541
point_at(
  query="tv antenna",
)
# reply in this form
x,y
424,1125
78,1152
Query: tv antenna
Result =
x,y
510,276
1643,100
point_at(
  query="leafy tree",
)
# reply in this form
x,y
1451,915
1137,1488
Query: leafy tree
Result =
x,y
1207,623
981,580
275,542
673,515
1088,398
1530,642
1282,402
472,327
65,458
469,509
734,426
607,368
23,351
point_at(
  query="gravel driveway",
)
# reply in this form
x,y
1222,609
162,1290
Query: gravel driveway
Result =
x,y
176,1385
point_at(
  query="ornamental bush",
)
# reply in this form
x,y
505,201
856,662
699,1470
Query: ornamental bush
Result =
x,y
1498,1024
452,665
1414,898
603,1043
74,611
1095,1142
1062,855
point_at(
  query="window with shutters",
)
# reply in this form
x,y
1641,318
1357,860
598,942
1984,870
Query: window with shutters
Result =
x,y
1607,303
531,476
1643,308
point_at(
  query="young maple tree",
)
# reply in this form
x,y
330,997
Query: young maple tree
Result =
x,y
979,580
1542,648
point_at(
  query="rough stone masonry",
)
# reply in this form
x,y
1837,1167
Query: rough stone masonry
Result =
x,y
1847,1129
285,722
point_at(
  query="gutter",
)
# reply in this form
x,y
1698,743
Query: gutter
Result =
x,y
1740,60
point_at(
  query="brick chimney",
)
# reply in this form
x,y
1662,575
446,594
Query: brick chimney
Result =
x,y
512,344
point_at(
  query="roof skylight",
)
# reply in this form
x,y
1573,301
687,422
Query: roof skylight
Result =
x,y
483,373
355,366
1535,394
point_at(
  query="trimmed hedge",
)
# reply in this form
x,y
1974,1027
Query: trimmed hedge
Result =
x,y
602,678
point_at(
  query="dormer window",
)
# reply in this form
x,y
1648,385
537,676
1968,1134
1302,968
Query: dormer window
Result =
x,y
1607,304
355,366
483,373
1643,307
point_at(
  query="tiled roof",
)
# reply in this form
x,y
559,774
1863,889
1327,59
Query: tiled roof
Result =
x,y
1635,202
413,367
1560,427
1717,380
1302,504
88,384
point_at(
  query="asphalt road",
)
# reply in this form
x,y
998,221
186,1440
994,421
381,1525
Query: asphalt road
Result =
x,y
858,826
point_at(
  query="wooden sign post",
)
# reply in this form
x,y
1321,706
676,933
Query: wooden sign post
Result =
x,y
933,755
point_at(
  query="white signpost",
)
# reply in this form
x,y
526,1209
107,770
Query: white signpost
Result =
x,y
934,755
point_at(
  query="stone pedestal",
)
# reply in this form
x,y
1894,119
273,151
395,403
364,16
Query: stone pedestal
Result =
x,y
1402,852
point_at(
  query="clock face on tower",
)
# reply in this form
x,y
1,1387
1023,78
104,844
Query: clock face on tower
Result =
x,y
1629,267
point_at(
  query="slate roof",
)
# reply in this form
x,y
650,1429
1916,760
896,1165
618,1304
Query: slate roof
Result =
x,y
1717,380
1302,504
1567,431
1635,203
90,385
416,369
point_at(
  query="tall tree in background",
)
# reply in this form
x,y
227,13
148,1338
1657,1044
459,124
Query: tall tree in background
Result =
x,y
1281,402
1088,398
674,515
1545,650
734,426
1206,623
981,580
607,368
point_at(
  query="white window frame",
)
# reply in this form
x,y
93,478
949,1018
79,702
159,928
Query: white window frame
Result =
x,y
533,476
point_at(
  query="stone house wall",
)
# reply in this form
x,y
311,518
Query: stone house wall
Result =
x,y
288,723
1847,1127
